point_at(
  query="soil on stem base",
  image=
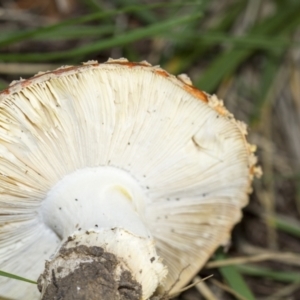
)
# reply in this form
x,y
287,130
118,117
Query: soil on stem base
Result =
x,y
96,277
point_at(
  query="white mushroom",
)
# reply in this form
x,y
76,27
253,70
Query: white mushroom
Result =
x,y
121,159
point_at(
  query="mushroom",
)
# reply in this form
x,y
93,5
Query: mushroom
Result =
x,y
116,174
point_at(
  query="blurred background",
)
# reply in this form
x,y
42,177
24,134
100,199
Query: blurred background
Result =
x,y
245,51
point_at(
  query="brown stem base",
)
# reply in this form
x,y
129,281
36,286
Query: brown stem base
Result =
x,y
96,276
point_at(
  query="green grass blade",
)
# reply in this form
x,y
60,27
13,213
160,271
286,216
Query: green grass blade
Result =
x,y
286,276
70,32
250,41
122,39
28,34
226,63
76,32
93,5
286,225
3,85
183,61
234,279
146,16
220,68
9,275
268,77
24,35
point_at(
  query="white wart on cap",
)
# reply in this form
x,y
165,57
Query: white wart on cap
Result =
x,y
119,156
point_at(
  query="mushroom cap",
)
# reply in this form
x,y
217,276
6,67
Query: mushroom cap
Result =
x,y
180,144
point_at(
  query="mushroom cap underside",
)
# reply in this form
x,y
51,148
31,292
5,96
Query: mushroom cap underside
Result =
x,y
182,146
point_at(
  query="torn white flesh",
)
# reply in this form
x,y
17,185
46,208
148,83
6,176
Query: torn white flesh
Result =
x,y
104,207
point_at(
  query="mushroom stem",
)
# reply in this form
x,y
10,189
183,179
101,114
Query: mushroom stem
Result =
x,y
82,271
106,246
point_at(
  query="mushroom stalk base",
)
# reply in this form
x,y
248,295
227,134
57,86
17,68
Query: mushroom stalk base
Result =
x,y
98,275
100,208
113,263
